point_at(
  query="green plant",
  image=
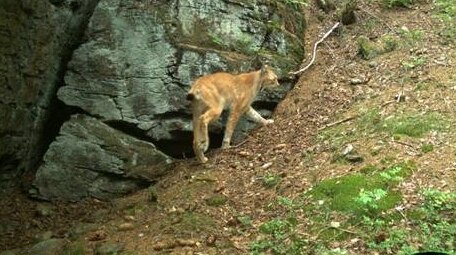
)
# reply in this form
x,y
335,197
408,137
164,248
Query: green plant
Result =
x,y
411,37
413,62
425,148
392,174
270,180
446,12
152,194
398,3
280,237
245,220
296,4
368,200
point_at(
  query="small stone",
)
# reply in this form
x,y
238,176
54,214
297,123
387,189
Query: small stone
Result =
x,y
267,165
44,210
354,158
129,218
372,64
43,236
48,247
210,240
244,153
356,81
347,150
335,224
125,226
109,249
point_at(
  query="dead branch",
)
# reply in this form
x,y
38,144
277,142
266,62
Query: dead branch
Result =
x,y
387,103
315,50
339,122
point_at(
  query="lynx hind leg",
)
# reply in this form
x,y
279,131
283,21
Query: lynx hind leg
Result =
x,y
199,153
201,141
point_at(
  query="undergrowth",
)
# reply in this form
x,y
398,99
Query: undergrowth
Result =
x,y
365,207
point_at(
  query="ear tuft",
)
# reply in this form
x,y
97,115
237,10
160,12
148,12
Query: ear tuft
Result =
x,y
264,67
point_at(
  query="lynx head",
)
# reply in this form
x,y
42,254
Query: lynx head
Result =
x,y
268,76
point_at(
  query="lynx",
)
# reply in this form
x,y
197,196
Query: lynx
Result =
x,y
212,93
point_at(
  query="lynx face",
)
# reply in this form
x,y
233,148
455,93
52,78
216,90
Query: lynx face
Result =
x,y
270,79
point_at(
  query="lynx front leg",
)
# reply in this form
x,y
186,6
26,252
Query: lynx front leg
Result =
x,y
255,116
230,126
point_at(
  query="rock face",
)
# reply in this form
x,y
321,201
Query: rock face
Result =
x,y
130,74
36,38
141,57
89,158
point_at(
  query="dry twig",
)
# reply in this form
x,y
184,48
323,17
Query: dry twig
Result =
x,y
339,122
315,50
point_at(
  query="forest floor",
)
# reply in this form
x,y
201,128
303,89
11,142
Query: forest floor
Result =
x,y
347,167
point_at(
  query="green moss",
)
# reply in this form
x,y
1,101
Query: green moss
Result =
x,y
369,122
340,193
270,180
76,248
152,195
425,148
366,49
369,169
192,222
415,125
216,200
398,3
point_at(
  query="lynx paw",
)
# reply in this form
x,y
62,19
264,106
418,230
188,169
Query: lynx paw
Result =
x,y
226,145
268,121
203,160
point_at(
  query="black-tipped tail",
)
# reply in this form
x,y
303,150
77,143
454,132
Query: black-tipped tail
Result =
x,y
190,97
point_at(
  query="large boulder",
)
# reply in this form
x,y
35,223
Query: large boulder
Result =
x,y
89,158
141,57
36,39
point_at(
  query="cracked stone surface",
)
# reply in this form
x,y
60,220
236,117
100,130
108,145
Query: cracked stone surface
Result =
x,y
35,39
89,158
142,56
127,79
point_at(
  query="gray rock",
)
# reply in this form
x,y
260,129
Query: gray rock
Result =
x,y
354,158
142,56
48,247
109,249
35,39
89,158
44,210
43,236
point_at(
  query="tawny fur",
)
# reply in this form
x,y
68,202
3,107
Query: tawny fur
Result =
x,y
212,93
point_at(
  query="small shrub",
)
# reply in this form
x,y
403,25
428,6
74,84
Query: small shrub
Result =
x,y
152,194
425,148
413,62
270,180
398,3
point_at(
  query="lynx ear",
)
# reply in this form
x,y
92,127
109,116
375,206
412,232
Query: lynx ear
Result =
x,y
264,67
